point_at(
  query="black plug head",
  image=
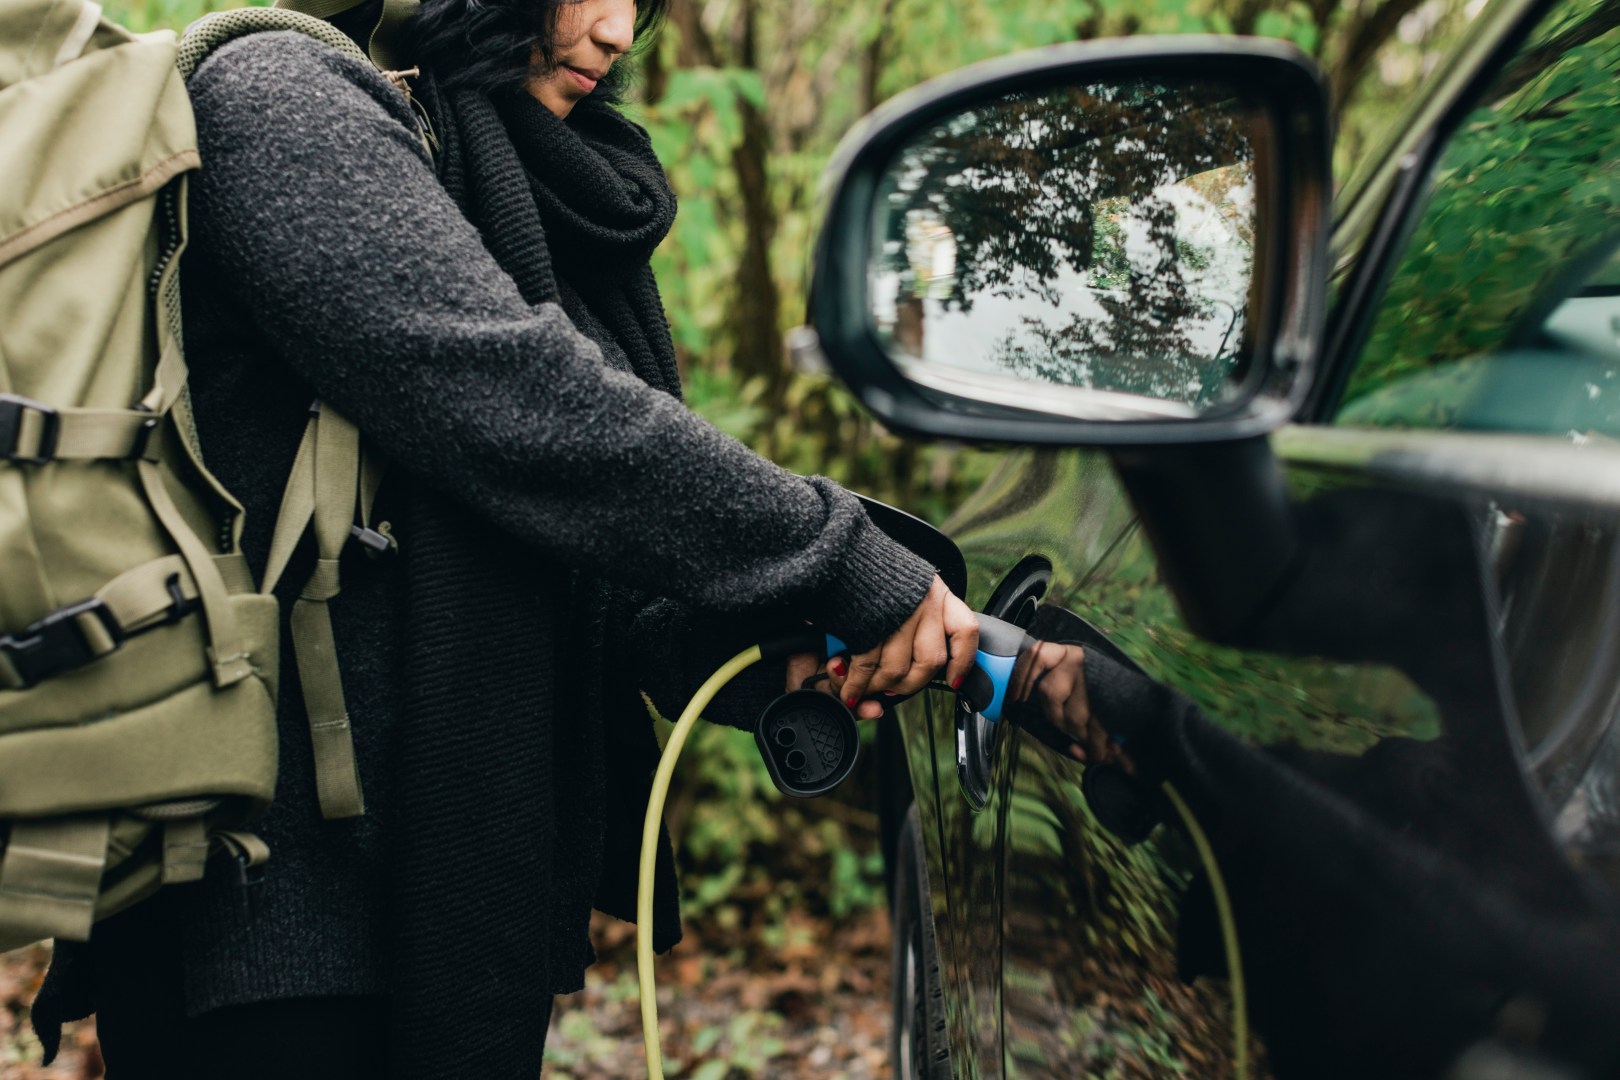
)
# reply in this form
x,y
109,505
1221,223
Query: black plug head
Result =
x,y
809,741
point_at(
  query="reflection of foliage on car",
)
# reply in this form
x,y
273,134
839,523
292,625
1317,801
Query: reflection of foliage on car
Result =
x,y
1107,573
1526,193
1092,988
1071,182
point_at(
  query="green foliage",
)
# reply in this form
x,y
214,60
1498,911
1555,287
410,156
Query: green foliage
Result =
x,y
146,15
818,68
748,854
747,1045
580,1044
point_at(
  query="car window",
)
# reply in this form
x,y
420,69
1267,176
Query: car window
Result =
x,y
1502,313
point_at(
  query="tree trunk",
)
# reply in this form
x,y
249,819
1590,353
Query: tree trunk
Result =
x,y
754,315
1362,37
873,59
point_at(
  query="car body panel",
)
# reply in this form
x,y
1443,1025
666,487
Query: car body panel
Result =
x,y
1082,956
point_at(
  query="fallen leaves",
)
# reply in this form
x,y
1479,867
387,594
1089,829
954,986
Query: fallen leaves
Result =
x,y
730,1005
813,1007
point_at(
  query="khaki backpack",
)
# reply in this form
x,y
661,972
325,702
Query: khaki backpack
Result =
x,y
138,661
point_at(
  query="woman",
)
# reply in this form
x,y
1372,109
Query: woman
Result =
x,y
570,536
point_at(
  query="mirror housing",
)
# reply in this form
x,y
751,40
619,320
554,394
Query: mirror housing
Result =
x,y
1292,173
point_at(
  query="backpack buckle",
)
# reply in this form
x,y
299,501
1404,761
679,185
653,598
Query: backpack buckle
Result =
x,y
13,411
374,542
58,643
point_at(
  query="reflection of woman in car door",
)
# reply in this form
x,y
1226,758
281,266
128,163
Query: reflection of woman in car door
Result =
x,y
1377,937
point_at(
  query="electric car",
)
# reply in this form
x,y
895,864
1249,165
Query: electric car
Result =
x,y
1339,472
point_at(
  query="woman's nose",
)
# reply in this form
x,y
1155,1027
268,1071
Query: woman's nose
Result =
x,y
615,30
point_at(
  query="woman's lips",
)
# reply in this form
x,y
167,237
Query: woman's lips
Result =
x,y
583,80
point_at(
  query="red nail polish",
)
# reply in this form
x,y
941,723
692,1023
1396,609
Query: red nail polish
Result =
x,y
850,702
837,668
956,683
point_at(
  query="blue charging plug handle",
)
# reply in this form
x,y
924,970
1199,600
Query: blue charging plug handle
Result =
x,y
985,689
1000,642
999,669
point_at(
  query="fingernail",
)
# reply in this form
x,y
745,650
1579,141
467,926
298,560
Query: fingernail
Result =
x,y
851,702
956,683
837,668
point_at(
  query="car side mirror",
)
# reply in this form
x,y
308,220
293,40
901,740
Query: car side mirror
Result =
x,y
1110,242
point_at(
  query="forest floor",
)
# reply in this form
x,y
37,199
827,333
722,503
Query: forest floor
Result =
x,y
806,1000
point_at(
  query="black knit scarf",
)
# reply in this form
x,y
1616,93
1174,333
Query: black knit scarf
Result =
x,y
506,803
572,209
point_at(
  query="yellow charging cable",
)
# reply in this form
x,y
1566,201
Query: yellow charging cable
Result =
x,y
649,848
649,860
1223,910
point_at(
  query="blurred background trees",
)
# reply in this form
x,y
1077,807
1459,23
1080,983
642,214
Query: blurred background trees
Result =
x,y
746,99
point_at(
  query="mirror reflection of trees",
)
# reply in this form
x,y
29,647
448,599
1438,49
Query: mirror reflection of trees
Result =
x,y
1098,236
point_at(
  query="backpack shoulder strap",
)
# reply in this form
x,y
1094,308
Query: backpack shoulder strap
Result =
x,y
50,876
329,484
212,31
309,17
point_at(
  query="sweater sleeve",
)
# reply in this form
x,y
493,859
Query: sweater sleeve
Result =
x,y
319,207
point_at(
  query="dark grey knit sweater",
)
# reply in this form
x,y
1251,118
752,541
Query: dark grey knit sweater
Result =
x,y
327,261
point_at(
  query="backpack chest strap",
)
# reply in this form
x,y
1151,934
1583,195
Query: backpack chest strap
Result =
x,y
33,433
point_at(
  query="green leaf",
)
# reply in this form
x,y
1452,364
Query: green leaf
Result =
x,y
750,86
686,86
705,1039
1273,24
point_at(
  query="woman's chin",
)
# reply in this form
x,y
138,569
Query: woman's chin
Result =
x,y
556,96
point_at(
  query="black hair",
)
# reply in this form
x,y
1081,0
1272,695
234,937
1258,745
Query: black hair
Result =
x,y
491,44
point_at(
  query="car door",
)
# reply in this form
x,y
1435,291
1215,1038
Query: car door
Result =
x,y
1091,980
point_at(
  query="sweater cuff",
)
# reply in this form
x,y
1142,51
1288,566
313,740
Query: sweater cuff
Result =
x,y
877,586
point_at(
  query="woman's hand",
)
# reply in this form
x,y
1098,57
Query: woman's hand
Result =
x,y
942,633
1052,678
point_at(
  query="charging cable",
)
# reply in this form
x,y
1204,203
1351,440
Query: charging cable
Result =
x,y
1229,938
649,847
660,794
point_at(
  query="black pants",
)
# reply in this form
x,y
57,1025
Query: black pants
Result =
x,y
132,976
331,1038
